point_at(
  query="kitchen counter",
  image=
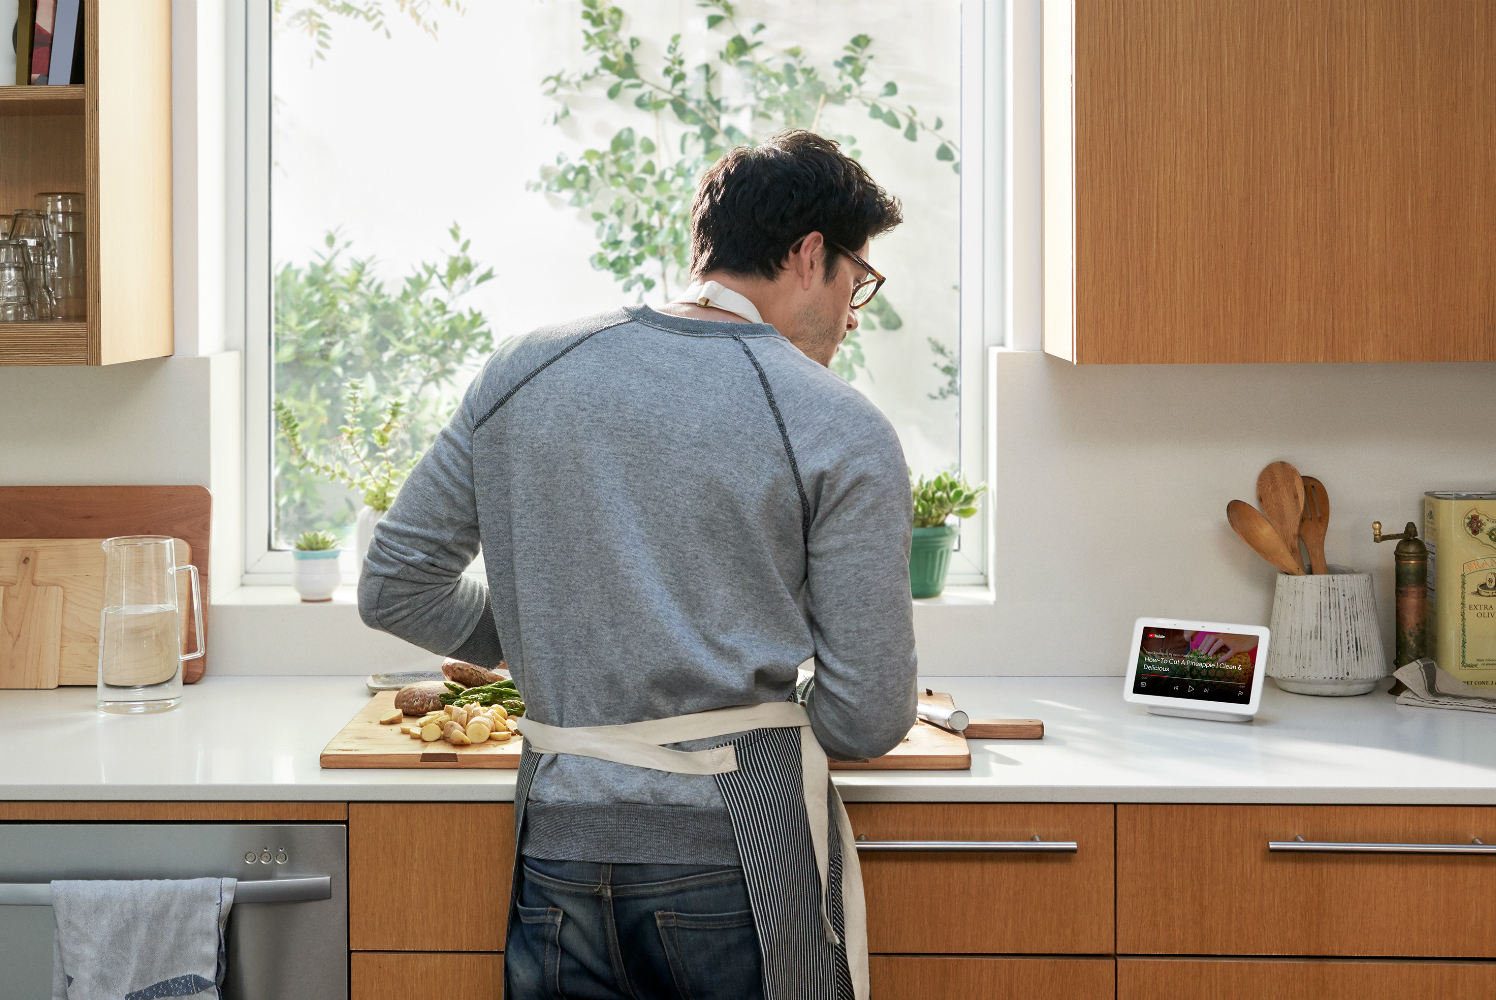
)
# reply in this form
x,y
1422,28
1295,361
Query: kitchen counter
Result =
x,y
258,738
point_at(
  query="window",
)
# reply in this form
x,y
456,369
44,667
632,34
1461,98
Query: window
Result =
x,y
426,181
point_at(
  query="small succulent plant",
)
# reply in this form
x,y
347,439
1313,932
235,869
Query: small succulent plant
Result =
x,y
939,498
316,541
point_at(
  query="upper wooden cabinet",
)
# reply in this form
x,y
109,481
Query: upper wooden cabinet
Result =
x,y
109,138
1270,180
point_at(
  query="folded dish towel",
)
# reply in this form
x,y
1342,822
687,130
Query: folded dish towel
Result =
x,y
140,940
1430,687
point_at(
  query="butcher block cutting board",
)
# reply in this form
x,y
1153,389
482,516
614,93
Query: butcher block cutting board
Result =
x,y
51,599
365,743
72,512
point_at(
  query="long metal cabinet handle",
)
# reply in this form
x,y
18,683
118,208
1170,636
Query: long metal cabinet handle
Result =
x,y
1035,846
1302,846
280,890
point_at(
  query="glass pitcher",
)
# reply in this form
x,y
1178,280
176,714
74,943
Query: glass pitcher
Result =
x,y
140,644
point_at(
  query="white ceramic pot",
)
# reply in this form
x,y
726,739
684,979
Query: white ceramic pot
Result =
x,y
363,534
1325,637
316,575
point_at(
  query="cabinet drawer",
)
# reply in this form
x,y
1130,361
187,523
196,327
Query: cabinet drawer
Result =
x,y
384,975
905,977
399,852
1200,880
988,903
1226,979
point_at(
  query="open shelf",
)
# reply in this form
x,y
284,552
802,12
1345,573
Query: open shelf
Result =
x,y
67,100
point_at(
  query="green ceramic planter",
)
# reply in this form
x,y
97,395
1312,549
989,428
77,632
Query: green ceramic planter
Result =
x,y
930,558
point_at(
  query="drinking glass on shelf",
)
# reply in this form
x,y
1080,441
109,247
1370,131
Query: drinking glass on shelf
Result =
x,y
5,221
68,274
32,228
15,296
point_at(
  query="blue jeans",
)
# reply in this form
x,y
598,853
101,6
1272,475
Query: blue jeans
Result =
x,y
589,931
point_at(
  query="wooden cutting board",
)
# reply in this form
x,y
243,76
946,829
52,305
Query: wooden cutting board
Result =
x,y
365,743
73,512
51,597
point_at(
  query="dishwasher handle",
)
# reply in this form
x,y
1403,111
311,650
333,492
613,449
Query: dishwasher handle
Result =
x,y
277,890
1035,846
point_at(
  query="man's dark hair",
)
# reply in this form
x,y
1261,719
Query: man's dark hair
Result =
x,y
757,202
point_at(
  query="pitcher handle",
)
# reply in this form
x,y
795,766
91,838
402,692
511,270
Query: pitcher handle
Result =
x,y
197,613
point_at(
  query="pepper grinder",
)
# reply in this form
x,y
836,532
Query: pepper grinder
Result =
x,y
1411,558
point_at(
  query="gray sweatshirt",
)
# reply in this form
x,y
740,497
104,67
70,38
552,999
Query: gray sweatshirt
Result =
x,y
674,514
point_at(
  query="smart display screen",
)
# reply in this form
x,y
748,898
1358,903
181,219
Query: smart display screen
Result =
x,y
1196,666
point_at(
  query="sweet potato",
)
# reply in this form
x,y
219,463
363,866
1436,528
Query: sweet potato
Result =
x,y
418,699
469,674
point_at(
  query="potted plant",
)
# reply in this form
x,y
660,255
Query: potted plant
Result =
x,y
316,573
934,503
367,466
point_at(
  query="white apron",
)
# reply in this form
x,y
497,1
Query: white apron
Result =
x,y
793,835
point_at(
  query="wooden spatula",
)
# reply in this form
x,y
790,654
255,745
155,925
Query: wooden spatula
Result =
x,y
1255,530
1280,492
1315,521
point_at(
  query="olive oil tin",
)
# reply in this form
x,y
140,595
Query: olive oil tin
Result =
x,y
1460,531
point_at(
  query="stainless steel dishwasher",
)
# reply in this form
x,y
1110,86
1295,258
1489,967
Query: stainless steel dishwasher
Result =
x,y
287,931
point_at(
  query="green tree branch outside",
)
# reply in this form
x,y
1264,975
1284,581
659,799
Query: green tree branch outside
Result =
x,y
639,188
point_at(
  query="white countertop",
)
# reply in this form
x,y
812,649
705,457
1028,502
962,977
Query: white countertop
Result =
x,y
258,738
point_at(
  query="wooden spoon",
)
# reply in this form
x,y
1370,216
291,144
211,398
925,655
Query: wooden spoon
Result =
x,y
1255,530
1280,491
1315,521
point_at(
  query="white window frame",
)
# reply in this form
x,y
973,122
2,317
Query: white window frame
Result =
x,y
982,274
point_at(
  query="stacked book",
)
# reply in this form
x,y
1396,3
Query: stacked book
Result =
x,y
48,37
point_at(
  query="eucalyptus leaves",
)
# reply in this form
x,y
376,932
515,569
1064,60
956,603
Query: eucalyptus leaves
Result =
x,y
939,498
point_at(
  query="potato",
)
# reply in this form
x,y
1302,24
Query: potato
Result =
x,y
430,733
420,699
498,710
512,725
478,730
500,736
415,733
392,717
469,674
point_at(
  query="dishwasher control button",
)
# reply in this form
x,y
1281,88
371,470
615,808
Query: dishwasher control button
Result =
x,y
265,856
249,858
281,858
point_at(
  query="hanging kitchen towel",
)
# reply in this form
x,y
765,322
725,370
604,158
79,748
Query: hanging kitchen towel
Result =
x,y
1430,687
140,940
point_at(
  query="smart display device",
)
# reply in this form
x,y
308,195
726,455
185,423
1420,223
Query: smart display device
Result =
x,y
1197,670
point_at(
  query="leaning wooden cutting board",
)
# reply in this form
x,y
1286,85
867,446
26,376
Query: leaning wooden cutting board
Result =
x,y
106,511
365,743
51,597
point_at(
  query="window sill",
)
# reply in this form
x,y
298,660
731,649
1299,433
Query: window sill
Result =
x,y
258,595
973,595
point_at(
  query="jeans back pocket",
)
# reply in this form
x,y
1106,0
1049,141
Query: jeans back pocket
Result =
x,y
532,956
713,956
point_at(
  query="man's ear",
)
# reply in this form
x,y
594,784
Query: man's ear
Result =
x,y
810,260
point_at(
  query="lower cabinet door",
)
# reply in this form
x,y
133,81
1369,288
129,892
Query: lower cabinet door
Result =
x,y
933,902
1300,979
928,977
403,853
400,975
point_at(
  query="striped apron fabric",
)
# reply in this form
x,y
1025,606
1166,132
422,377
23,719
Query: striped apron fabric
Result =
x,y
792,831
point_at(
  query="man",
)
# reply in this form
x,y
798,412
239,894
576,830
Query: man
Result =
x,y
677,507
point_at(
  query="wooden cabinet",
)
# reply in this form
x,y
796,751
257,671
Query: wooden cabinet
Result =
x,y
1199,880
384,975
1185,979
1269,180
109,138
905,977
399,852
988,903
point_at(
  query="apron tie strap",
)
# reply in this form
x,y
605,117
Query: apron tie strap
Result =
x,y
719,296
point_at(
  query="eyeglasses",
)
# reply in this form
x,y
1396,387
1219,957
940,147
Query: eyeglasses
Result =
x,y
863,291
